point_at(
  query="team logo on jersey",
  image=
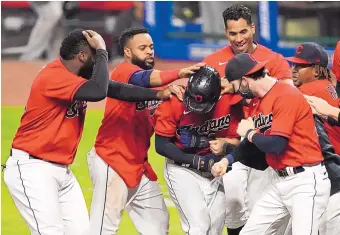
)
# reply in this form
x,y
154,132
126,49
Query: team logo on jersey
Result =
x,y
209,127
150,105
76,108
263,122
332,91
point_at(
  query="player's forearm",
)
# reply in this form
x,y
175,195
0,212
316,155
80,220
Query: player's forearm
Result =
x,y
166,148
161,78
130,93
333,113
95,89
272,144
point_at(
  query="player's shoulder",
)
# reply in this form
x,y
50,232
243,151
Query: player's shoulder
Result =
x,y
264,53
223,54
123,71
55,71
320,88
287,91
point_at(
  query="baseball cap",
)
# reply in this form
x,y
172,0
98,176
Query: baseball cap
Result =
x,y
203,90
309,53
242,64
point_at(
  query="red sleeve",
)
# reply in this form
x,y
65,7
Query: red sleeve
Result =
x,y
279,68
59,83
166,118
336,62
123,72
285,114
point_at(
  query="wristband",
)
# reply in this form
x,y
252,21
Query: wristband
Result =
x,y
169,76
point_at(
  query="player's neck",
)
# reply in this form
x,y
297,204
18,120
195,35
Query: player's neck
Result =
x,y
252,48
264,85
71,66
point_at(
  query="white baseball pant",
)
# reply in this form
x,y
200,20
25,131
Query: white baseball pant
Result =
x,y
47,196
303,197
144,203
243,186
199,200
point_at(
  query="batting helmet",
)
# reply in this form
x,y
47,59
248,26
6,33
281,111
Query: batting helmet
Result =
x,y
203,90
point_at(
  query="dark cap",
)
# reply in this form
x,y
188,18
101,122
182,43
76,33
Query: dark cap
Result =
x,y
242,64
309,53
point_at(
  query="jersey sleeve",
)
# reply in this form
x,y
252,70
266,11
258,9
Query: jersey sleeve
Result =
x,y
62,87
336,61
123,72
165,119
279,68
285,112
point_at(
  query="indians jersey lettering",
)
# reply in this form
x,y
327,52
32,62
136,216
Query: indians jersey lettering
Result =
x,y
123,139
52,123
171,117
285,112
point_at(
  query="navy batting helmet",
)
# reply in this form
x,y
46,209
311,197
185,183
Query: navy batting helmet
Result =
x,y
203,90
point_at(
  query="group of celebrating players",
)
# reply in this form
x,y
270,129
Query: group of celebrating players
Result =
x,y
250,142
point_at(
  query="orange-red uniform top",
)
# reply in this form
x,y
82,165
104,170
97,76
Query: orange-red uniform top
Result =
x,y
124,136
336,61
277,66
284,111
171,117
325,90
52,124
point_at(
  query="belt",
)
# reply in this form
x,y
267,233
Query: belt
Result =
x,y
34,157
294,170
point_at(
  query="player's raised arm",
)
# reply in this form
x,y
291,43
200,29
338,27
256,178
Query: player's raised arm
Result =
x,y
95,89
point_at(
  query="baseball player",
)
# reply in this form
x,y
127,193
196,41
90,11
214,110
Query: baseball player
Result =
x,y
183,130
37,172
243,183
312,77
118,163
283,127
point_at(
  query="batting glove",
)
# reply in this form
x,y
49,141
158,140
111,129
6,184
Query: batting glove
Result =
x,y
192,140
204,163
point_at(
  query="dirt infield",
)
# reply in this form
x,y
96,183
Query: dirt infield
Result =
x,y
17,78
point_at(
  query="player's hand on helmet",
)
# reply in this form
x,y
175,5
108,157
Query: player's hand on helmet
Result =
x,y
244,126
94,39
217,146
190,139
170,90
319,106
226,87
187,72
205,163
220,168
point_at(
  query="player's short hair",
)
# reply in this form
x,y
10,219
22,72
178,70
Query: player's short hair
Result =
x,y
73,43
127,34
236,12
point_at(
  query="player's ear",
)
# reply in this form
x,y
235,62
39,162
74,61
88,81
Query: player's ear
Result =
x,y
127,52
252,26
82,56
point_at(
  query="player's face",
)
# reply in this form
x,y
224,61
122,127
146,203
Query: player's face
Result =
x,y
302,74
87,57
140,50
240,35
242,87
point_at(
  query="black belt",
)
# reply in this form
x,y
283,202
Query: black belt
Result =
x,y
34,157
296,170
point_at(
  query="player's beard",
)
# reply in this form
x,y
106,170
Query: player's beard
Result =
x,y
87,69
142,63
246,92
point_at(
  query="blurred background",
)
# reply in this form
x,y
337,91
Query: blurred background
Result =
x,y
181,30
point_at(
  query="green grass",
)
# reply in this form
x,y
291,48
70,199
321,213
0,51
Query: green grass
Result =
x,y
11,221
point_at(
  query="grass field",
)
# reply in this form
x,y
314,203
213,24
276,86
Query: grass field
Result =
x,y
11,221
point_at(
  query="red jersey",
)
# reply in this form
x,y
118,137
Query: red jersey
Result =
x,y
336,61
284,111
277,66
325,90
171,117
52,124
124,136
